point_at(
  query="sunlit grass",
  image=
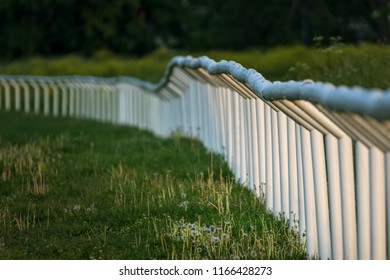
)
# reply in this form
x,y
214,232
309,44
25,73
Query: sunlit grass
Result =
x,y
73,189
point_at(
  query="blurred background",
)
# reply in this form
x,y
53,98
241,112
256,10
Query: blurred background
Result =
x,y
137,27
343,42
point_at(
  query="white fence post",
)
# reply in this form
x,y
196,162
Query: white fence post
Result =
x,y
122,103
37,95
378,204
55,98
348,198
321,195
72,98
64,99
26,96
269,201
301,192
363,201
46,97
7,94
277,203
292,175
236,136
261,136
283,163
247,144
333,168
310,207
17,95
254,143
229,127
79,100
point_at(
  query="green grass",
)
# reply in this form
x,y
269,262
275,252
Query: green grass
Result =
x,y
367,65
76,189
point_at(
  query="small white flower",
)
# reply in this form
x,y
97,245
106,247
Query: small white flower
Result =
x,y
183,195
253,254
183,204
213,228
191,226
215,240
225,236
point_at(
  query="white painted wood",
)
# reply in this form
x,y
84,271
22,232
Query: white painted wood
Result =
x,y
348,198
310,206
260,119
277,204
363,201
301,192
283,163
377,204
321,195
293,214
334,189
269,201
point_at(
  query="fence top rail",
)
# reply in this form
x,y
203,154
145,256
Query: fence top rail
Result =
x,y
367,102
78,79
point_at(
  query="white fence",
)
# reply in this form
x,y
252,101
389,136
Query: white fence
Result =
x,y
317,153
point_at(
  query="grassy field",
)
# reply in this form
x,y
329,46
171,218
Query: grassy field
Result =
x,y
366,65
76,189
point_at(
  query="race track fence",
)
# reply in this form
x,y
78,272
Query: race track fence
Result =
x,y
316,154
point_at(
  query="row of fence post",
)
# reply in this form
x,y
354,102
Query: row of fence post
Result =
x,y
295,155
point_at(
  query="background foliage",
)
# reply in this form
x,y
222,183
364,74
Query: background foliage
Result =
x,y
136,27
366,65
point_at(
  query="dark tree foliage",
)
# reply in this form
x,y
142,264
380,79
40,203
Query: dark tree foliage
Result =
x,y
136,27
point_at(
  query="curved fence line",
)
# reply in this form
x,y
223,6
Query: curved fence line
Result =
x,y
315,153
370,102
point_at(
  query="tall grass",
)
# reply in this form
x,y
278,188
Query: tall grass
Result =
x,y
366,65
73,189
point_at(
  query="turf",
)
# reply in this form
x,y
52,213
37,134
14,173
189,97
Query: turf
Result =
x,y
78,189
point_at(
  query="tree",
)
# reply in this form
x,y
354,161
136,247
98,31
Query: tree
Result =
x,y
136,27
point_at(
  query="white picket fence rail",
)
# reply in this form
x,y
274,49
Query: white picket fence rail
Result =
x,y
316,153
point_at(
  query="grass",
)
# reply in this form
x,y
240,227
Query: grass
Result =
x,y
365,65
77,189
